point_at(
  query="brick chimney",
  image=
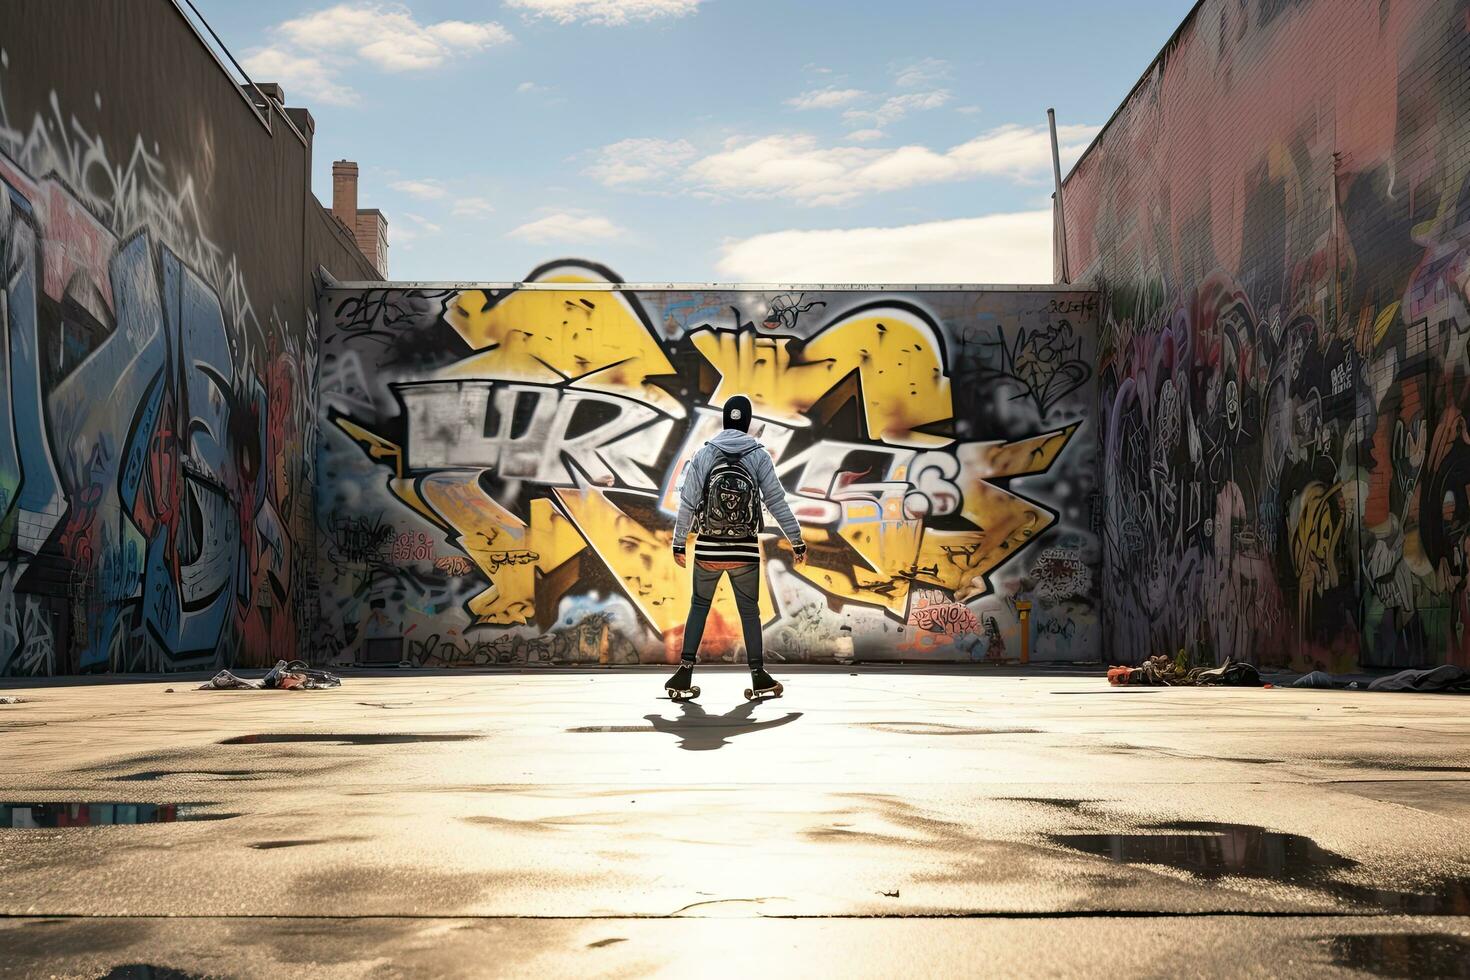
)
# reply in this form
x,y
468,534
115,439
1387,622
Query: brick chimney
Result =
x,y
367,226
344,193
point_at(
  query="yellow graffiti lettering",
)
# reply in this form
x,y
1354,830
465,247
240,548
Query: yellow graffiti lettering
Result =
x,y
508,551
892,349
642,560
596,339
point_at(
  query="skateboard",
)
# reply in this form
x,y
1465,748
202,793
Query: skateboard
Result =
x,y
675,694
767,695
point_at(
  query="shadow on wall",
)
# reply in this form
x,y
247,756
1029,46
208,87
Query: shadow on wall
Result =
x,y
500,470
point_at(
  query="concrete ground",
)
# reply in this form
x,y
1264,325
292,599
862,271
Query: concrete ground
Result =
x,y
892,822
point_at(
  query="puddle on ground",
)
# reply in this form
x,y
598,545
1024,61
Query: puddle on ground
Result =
x,y
1402,954
216,775
1211,851
330,739
38,815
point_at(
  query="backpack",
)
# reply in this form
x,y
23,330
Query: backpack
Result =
x,y
731,507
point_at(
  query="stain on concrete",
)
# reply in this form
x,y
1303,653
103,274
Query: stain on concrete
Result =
x,y
1403,954
1212,851
934,728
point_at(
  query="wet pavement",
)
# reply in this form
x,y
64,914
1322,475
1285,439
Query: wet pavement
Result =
x,y
578,823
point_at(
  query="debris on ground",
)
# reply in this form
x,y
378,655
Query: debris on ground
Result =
x,y
292,675
1447,679
1160,671
296,675
226,681
1317,678
12,700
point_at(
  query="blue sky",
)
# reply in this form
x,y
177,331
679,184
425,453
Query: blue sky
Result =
x,y
704,140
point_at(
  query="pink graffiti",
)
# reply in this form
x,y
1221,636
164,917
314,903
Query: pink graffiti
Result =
x,y
934,612
413,546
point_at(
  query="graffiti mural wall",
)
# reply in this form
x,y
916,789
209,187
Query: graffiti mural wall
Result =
x,y
157,386
1279,216
499,468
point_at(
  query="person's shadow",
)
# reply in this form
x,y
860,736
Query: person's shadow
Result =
x,y
699,731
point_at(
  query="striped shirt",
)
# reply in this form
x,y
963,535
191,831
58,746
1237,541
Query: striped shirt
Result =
x,y
733,551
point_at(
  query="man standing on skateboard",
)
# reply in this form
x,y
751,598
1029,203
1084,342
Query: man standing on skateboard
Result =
x,y
724,485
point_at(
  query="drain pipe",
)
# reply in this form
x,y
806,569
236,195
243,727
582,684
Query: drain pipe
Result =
x,y
1061,215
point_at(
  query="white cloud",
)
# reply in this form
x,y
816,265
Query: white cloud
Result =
x,y
637,161
826,98
968,110
995,248
796,167
606,12
896,107
414,227
567,228
526,88
388,36
427,189
472,207
865,135
925,71
305,78
311,51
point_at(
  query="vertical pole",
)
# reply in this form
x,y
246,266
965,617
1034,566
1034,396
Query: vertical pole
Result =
x,y
1023,611
1061,215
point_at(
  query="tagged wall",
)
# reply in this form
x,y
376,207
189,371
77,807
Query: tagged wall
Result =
x,y
499,469
1280,218
157,370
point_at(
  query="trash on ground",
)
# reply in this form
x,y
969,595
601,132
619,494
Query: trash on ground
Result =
x,y
1447,679
1160,671
292,675
226,681
8,699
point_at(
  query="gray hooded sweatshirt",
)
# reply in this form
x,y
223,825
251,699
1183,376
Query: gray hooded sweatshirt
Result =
x,y
760,467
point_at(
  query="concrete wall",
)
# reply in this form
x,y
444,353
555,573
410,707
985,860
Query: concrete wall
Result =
x,y
157,378
1279,216
499,467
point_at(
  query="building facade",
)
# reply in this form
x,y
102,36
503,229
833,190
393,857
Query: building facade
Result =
x,y
1279,219
161,246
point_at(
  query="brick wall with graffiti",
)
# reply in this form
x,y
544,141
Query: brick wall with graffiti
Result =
x,y
1279,217
157,371
499,469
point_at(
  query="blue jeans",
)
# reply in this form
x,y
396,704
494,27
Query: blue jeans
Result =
x,y
746,580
